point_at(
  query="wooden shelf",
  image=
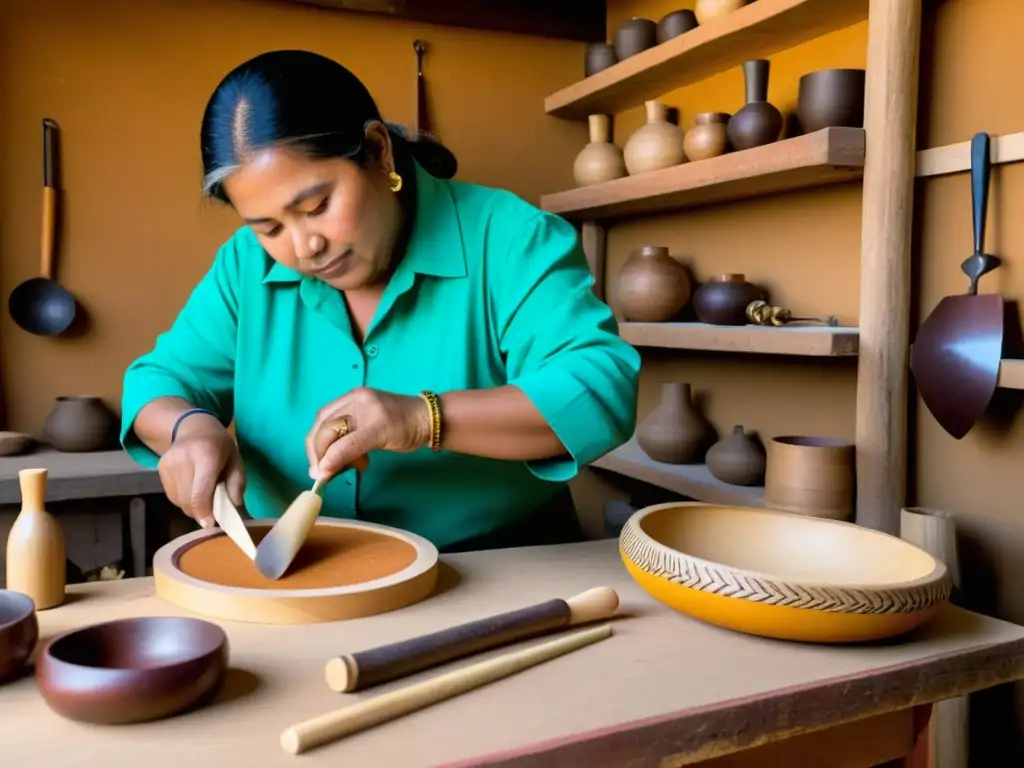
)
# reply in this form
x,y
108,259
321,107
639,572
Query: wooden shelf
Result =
x,y
828,156
803,340
1011,374
693,480
753,32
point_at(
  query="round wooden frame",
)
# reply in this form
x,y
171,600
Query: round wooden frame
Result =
x,y
296,606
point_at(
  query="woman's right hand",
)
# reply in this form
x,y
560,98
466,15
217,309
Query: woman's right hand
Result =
x,y
202,455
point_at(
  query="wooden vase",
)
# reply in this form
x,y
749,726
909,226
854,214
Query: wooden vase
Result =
x,y
810,476
757,123
657,144
651,287
600,160
708,137
36,556
675,432
709,10
739,459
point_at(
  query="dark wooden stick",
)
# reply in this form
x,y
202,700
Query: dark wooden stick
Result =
x,y
356,671
422,118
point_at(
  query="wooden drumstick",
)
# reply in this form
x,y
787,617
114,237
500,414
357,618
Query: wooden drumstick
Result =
x,y
389,706
356,671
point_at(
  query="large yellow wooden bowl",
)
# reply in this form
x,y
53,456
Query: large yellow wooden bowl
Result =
x,y
782,575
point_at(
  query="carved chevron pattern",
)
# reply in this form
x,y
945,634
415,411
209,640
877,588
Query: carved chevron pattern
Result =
x,y
720,580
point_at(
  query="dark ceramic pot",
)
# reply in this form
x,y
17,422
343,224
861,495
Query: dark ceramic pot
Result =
x,y
757,123
739,459
676,23
599,57
831,97
634,36
723,299
80,425
19,632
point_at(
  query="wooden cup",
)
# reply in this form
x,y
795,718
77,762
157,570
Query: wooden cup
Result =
x,y
810,476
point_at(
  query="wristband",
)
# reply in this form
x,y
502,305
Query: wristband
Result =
x,y
185,415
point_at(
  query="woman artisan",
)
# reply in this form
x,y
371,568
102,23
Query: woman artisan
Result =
x,y
369,305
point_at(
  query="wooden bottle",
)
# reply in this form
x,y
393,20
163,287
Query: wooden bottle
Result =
x,y
36,559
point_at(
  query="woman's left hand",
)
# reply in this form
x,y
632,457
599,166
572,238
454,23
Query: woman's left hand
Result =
x,y
361,421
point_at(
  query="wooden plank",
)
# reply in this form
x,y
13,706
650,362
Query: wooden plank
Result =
x,y
594,239
754,32
79,475
828,156
956,158
693,480
1011,374
804,340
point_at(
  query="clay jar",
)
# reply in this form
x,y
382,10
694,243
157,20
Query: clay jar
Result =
x,y
810,476
80,424
634,36
709,10
656,145
675,432
723,299
652,287
599,57
831,97
676,23
707,138
739,459
600,160
757,123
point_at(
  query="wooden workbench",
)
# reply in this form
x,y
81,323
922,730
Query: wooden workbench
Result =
x,y
664,690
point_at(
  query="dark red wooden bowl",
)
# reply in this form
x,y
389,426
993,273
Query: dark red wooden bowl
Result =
x,y
19,631
133,670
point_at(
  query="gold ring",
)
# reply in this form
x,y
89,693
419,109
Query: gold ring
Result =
x,y
340,426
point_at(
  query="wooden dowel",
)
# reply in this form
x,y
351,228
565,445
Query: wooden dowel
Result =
x,y
356,671
389,706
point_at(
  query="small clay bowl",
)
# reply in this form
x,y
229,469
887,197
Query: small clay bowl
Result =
x,y
133,670
15,443
19,631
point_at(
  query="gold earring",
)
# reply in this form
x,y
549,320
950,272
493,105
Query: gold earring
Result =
x,y
395,182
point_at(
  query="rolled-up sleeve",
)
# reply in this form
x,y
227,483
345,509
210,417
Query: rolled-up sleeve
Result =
x,y
562,347
194,359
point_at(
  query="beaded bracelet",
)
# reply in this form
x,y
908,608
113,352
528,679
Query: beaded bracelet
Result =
x,y
435,419
185,415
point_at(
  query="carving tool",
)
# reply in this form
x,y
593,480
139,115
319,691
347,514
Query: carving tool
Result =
x,y
230,520
389,706
356,671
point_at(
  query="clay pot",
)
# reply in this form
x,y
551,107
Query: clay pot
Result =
x,y
657,144
676,23
811,476
600,160
708,137
739,459
757,123
831,97
19,632
634,36
709,10
599,56
79,424
723,299
652,287
674,432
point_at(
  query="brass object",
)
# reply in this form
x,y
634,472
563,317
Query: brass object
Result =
x,y
760,312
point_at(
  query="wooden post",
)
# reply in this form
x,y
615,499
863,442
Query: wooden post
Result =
x,y
890,120
595,246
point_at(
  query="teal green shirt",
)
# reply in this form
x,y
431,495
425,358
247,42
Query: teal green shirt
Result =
x,y
491,291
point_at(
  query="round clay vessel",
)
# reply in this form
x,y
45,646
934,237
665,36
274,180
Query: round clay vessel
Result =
x,y
810,476
757,123
709,10
779,575
675,432
675,23
19,632
80,424
651,287
657,144
600,160
739,459
599,57
133,670
831,97
634,36
15,443
723,299
708,137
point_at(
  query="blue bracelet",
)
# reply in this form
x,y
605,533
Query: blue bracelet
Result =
x,y
185,415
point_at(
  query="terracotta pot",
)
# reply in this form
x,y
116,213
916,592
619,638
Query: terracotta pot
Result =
x,y
651,287
757,123
708,137
634,36
739,459
600,160
657,144
831,97
674,432
676,23
811,476
723,299
80,425
709,10
599,56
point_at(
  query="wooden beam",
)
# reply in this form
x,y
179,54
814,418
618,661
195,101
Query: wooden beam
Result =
x,y
890,120
595,246
956,158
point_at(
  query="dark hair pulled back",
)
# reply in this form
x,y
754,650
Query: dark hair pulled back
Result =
x,y
308,103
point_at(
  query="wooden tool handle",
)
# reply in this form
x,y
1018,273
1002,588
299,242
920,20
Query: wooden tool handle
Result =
x,y
366,714
422,119
33,489
49,230
356,671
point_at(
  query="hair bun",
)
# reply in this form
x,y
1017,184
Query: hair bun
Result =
x,y
436,159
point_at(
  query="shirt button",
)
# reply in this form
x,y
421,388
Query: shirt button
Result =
x,y
372,350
